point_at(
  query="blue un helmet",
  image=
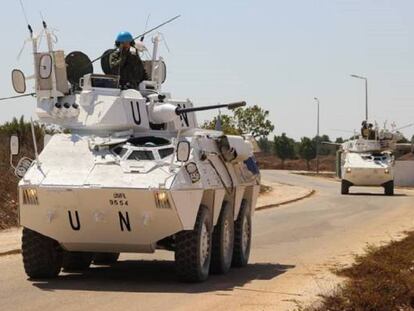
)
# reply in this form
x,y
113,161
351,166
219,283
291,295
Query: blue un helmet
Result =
x,y
122,37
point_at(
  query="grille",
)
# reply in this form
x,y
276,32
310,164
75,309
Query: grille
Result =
x,y
30,196
161,199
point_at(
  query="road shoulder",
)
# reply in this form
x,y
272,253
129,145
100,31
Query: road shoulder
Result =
x,y
281,194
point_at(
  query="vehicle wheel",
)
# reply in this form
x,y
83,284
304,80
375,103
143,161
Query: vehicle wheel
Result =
x,y
193,249
42,256
389,188
223,241
344,187
105,258
242,236
76,261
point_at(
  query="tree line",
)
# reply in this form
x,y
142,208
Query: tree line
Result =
x,y
8,182
286,148
254,120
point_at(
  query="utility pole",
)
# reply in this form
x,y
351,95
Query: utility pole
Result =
x,y
366,93
317,135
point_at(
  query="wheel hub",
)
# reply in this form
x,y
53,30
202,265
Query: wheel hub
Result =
x,y
245,234
227,239
204,245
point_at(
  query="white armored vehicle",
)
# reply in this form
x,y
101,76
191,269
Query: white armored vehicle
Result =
x,y
134,174
368,160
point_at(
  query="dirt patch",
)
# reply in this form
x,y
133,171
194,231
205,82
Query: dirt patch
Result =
x,y
407,157
268,161
265,189
380,280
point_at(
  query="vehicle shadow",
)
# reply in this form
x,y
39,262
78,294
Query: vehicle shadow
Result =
x,y
376,194
156,276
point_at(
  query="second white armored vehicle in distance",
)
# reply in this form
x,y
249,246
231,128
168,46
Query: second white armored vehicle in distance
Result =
x,y
368,161
135,174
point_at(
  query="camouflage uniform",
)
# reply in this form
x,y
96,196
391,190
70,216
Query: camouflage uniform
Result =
x,y
128,65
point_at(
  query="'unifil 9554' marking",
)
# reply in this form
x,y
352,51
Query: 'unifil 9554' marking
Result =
x,y
119,199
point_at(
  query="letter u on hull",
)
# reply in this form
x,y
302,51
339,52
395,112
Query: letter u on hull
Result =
x,y
77,226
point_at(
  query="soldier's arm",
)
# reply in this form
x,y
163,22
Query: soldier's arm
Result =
x,y
139,69
115,59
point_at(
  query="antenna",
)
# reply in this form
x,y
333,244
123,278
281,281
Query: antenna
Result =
x,y
26,19
17,96
146,27
159,26
165,42
140,36
24,14
403,127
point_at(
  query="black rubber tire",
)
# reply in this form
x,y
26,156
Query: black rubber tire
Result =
x,y
389,188
241,254
42,256
76,261
344,187
220,259
188,252
105,258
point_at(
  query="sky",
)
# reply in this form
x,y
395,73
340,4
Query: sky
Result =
x,y
276,54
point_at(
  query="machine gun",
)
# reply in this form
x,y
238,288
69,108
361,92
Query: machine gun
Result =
x,y
163,113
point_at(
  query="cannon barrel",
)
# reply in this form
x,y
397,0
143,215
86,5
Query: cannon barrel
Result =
x,y
168,112
179,111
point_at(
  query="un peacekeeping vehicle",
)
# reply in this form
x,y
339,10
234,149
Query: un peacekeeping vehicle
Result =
x,y
134,174
369,160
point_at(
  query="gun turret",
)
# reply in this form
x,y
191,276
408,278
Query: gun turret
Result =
x,y
163,113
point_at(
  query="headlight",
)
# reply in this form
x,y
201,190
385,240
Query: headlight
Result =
x,y
161,199
348,170
30,196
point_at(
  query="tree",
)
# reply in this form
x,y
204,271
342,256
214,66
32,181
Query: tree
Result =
x,y
307,150
228,125
265,145
403,140
324,149
253,120
284,148
339,140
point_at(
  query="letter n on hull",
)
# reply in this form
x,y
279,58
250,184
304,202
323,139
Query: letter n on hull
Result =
x,y
124,221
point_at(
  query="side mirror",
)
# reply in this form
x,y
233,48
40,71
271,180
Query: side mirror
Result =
x,y
183,151
18,81
45,66
14,145
160,71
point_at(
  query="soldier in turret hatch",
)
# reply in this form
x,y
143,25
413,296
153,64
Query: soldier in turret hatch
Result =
x,y
372,135
364,129
126,63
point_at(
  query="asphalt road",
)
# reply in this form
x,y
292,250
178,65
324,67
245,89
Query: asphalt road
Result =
x,y
294,248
